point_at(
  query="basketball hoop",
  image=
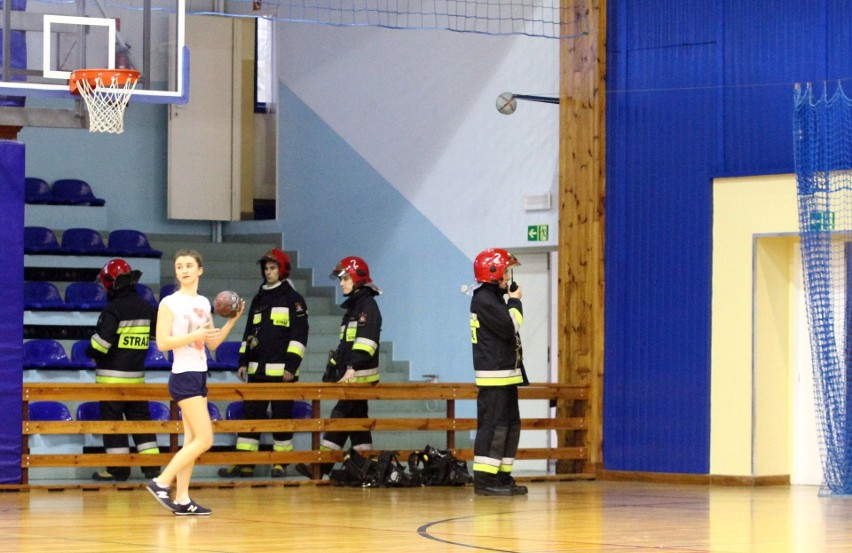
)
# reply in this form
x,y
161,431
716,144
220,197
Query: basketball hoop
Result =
x,y
106,92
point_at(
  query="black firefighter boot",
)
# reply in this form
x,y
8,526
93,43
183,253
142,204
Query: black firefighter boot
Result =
x,y
506,480
489,484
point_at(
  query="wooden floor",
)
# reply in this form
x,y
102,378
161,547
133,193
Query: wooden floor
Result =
x,y
617,517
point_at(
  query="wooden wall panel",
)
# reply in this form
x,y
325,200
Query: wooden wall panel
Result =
x,y
581,217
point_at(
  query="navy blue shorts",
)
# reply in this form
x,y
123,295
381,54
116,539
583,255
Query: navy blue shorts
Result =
x,y
186,385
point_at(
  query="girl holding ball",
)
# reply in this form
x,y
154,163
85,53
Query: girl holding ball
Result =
x,y
185,326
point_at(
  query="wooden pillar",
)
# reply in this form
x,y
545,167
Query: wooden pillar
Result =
x,y
582,188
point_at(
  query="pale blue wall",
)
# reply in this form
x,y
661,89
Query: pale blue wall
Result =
x,y
336,205
128,170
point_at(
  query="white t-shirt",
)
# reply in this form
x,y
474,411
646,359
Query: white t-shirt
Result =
x,y
190,313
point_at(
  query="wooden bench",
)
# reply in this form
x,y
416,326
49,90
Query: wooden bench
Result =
x,y
570,423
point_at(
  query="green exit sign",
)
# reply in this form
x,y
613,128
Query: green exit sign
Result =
x,y
822,220
538,233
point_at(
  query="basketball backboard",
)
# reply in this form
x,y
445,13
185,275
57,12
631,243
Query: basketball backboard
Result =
x,y
43,41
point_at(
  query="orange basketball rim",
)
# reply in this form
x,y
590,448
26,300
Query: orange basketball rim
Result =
x,y
106,93
103,77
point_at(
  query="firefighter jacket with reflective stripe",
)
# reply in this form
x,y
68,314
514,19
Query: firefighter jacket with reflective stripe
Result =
x,y
494,325
276,333
121,338
359,335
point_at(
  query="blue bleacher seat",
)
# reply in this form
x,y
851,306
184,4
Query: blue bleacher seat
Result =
x,y
54,443
214,364
228,355
79,357
234,411
37,191
40,295
84,241
49,411
85,296
146,294
41,240
156,360
132,243
159,411
89,411
302,410
75,192
44,353
167,290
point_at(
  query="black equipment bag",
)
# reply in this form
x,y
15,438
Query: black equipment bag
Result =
x,y
383,471
438,467
392,473
356,470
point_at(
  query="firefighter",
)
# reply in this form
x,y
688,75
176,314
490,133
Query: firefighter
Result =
x,y
272,349
356,358
498,366
119,347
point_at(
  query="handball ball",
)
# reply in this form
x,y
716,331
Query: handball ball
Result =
x,y
227,304
506,103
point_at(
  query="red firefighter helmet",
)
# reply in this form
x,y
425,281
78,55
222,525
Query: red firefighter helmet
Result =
x,y
491,264
356,268
113,273
277,256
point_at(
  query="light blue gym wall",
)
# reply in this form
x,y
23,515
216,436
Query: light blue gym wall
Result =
x,y
391,148
354,211
128,170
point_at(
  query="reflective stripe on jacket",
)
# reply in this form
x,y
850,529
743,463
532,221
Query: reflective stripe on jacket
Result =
x,y
494,325
122,336
360,333
277,328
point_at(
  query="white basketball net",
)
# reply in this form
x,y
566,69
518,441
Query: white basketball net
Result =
x,y
106,103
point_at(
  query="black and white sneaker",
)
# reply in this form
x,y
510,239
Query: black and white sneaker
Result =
x,y
192,509
161,494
